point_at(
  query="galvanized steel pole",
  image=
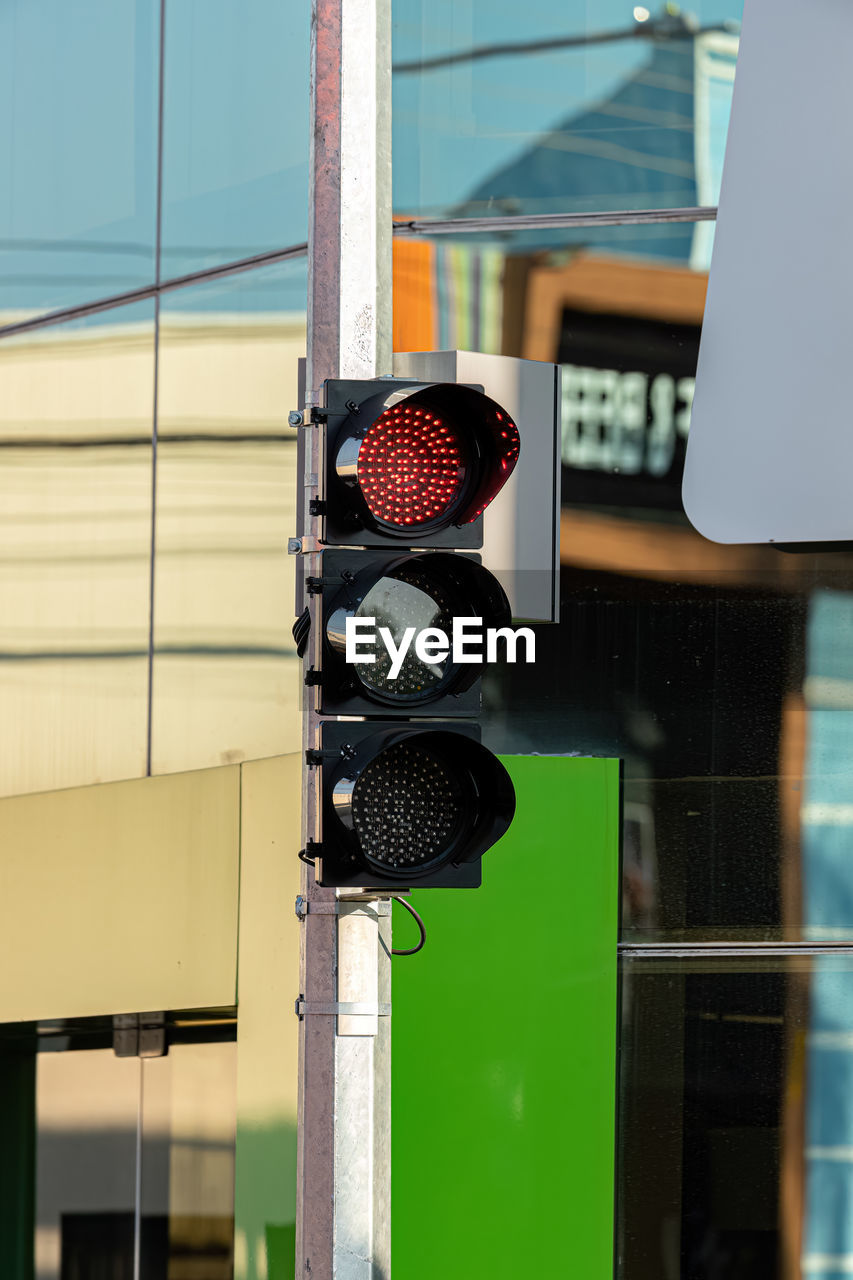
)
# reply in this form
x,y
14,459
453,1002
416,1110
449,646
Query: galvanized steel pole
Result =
x,y
343,1163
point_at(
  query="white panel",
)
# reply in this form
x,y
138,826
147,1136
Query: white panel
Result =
x,y
770,451
521,543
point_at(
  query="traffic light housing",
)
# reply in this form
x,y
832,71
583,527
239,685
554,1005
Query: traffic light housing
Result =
x,y
408,795
407,804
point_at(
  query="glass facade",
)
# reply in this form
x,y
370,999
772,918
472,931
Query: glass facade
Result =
x,y
573,108
225,677
734,1107
235,131
153,222
149,474
78,151
718,674
128,1162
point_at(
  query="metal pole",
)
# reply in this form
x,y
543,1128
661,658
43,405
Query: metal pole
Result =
x,y
343,1161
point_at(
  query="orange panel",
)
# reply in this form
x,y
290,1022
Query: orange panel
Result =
x,y
414,296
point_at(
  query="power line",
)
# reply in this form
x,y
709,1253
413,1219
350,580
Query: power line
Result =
x,y
667,28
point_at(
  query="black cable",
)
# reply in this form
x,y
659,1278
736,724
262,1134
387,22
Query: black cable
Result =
x,y
410,951
303,857
668,27
301,631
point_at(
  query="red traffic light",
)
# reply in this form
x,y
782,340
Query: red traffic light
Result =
x,y
416,462
411,467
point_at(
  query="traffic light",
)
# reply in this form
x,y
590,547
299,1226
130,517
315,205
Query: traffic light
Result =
x,y
408,795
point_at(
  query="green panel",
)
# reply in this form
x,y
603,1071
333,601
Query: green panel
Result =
x,y
505,1046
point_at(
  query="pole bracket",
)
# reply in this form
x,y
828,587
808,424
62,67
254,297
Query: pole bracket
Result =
x,y
315,585
314,757
345,1008
305,906
140,1035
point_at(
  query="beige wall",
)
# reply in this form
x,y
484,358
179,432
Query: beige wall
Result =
x,y
120,898
124,897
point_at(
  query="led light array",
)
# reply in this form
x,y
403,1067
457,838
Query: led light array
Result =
x,y
411,466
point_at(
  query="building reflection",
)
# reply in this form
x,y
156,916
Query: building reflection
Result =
x,y
130,1160
97,686
721,676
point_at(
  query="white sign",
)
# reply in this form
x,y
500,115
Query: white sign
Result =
x,y
770,453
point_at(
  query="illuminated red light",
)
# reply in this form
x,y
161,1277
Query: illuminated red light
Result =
x,y
409,467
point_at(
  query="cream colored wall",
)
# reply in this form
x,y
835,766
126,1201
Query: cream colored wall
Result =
x,y
74,556
120,898
124,897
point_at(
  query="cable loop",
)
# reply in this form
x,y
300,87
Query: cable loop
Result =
x,y
410,951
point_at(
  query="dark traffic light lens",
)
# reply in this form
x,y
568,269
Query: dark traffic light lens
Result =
x,y
412,466
407,809
412,602
408,599
409,805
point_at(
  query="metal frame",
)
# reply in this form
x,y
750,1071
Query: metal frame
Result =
x,y
723,950
546,221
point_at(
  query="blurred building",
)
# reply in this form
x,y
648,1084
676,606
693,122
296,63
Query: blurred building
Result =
x,y
706,668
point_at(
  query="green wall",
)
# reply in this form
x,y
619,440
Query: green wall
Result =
x,y
505,1044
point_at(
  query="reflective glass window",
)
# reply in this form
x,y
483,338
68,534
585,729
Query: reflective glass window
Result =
x,y
235,131
514,292
719,674
76,425
501,109
113,1165
86,1114
225,682
78,151
188,1136
735,1118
